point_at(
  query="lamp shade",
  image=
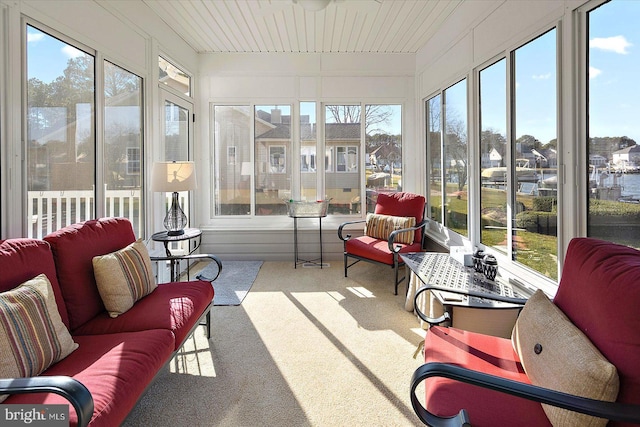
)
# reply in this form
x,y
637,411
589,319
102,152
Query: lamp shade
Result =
x,y
173,176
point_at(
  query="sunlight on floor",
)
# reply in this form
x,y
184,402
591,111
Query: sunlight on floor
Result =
x,y
361,292
194,358
358,341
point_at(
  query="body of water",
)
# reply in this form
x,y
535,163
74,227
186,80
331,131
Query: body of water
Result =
x,y
630,182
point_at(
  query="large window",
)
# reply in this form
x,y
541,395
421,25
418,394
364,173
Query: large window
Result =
x,y
517,164
448,157
61,137
233,168
260,176
272,126
455,159
123,143
383,155
493,156
60,133
433,110
534,161
342,133
613,153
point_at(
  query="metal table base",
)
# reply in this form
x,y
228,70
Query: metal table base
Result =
x,y
297,259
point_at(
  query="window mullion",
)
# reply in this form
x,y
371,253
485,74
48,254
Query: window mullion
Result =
x,y
511,214
100,187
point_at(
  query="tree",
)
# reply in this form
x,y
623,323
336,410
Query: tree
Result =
x,y
373,115
491,139
526,143
119,82
455,145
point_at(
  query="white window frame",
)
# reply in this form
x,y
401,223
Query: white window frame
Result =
x,y
136,154
347,153
282,163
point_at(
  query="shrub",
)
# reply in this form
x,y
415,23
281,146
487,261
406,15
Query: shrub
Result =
x,y
545,204
537,222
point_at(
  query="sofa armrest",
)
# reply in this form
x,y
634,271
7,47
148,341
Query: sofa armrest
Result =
x,y
344,224
72,390
467,292
392,236
193,257
609,410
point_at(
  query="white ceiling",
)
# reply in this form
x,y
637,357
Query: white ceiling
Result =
x,y
353,26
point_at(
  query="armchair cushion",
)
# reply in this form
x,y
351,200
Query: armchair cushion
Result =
x,y
557,355
377,250
124,277
32,335
402,204
381,226
488,354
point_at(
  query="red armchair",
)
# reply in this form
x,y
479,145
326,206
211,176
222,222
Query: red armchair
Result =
x,y
579,352
396,226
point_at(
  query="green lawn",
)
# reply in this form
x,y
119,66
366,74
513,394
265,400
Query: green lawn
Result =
x,y
535,250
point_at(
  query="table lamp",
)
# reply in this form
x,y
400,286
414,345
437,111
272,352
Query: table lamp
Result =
x,y
174,177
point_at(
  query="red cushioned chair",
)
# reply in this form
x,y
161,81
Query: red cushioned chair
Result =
x,y
386,251
480,380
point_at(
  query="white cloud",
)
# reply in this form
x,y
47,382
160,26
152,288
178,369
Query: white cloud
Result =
x,y
617,44
594,72
34,37
541,76
72,52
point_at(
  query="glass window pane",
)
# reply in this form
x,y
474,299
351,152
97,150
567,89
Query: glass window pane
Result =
x,y
493,156
383,156
232,172
176,132
455,158
308,150
535,162
272,124
176,148
434,150
173,77
123,144
60,134
342,138
613,131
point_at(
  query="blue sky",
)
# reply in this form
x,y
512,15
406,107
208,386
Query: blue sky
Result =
x,y
614,60
48,56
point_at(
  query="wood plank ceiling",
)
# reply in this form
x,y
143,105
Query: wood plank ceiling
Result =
x,y
345,26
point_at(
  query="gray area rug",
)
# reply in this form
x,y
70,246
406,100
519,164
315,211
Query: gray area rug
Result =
x,y
234,282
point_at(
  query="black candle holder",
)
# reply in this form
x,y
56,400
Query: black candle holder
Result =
x,y
477,258
490,267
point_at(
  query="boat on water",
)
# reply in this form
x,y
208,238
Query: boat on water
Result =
x,y
499,175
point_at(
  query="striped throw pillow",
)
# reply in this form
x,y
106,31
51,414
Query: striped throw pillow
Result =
x,y
381,226
123,277
32,335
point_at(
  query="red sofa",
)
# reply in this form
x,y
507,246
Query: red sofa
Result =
x,y
117,358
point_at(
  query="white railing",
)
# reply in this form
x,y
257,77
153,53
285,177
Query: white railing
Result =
x,y
52,210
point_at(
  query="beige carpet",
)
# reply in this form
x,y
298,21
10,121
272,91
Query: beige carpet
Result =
x,y
307,347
